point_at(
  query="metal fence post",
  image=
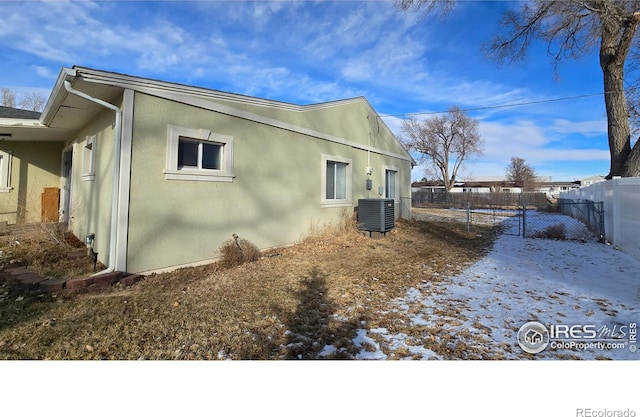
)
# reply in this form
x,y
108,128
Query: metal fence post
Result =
x,y
524,219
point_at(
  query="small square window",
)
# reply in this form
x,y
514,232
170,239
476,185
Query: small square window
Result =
x,y
198,155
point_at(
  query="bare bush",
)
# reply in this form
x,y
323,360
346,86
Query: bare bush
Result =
x,y
556,231
237,251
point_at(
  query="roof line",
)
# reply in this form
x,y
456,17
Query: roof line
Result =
x,y
131,81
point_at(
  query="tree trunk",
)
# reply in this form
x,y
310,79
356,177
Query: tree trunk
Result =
x,y
632,165
612,65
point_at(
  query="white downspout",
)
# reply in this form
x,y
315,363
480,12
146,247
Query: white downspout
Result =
x,y
116,171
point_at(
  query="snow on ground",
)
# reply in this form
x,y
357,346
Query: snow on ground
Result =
x,y
554,282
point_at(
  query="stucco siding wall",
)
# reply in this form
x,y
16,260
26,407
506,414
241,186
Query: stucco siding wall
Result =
x,y
273,200
91,198
352,119
34,166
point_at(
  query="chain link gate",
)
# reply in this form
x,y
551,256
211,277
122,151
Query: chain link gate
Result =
x,y
530,215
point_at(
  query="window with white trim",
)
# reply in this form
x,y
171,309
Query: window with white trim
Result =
x,y
5,171
198,155
88,159
390,183
336,181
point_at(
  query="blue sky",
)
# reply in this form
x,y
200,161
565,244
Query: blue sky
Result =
x,y
313,51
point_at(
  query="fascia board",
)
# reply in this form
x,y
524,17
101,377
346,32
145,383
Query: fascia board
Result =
x,y
133,82
12,122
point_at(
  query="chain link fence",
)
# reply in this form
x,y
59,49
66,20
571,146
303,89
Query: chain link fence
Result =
x,y
531,215
591,213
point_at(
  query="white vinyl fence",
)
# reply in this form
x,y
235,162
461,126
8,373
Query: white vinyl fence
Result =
x,y
621,198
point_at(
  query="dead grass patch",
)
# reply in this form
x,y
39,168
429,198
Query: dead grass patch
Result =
x,y
290,303
48,251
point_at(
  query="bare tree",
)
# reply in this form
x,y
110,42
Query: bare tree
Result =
x,y
33,101
571,29
8,97
445,140
521,174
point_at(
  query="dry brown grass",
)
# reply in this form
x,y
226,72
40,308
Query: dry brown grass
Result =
x,y
288,304
47,250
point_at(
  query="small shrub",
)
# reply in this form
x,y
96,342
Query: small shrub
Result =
x,y
556,231
237,251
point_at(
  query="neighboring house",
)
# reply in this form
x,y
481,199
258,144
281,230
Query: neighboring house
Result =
x,y
585,182
161,174
30,156
499,184
553,188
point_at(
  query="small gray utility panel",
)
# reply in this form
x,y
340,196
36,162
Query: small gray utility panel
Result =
x,y
376,214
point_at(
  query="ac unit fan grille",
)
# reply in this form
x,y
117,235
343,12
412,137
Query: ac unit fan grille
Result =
x,y
376,214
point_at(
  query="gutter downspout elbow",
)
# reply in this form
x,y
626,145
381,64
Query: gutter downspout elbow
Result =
x,y
116,171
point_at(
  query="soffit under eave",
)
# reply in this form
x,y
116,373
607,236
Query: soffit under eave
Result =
x,y
32,134
73,112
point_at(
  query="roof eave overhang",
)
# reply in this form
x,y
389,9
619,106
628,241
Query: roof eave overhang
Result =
x,y
58,94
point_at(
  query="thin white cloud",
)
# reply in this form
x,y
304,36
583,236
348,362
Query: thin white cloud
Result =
x,y
42,71
586,128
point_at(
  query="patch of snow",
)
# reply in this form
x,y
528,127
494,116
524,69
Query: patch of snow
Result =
x,y
554,282
363,341
328,350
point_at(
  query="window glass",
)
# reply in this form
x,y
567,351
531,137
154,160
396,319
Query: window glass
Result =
x,y
211,156
390,185
187,154
341,181
336,181
331,182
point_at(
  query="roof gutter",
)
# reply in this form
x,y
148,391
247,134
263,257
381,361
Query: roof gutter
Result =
x,y
116,171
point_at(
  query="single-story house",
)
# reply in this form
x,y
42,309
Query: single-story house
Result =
x,y
157,175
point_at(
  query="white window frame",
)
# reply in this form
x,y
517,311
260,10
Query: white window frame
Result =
x,y
5,171
172,172
396,184
345,202
89,159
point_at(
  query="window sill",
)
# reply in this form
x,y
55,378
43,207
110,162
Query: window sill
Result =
x,y
88,177
336,203
5,189
186,175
